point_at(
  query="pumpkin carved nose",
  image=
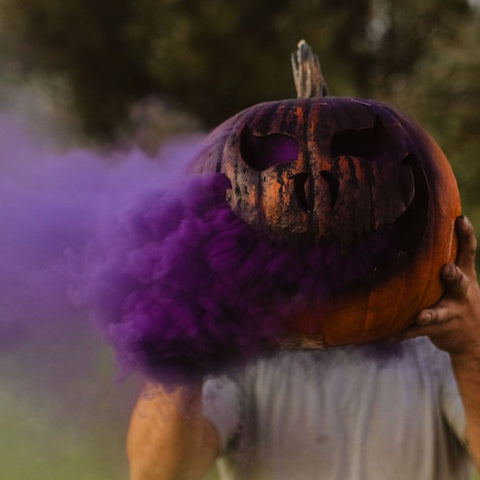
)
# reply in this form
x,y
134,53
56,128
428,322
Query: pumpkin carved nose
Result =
x,y
303,189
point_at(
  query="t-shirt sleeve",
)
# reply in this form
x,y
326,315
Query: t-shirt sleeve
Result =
x,y
451,401
222,407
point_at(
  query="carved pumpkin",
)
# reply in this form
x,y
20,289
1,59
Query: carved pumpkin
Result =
x,y
322,172
310,222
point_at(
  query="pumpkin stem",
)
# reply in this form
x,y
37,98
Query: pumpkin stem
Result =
x,y
309,81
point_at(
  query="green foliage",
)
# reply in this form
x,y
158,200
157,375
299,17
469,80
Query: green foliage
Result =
x,y
212,57
207,57
402,32
207,60
443,94
85,42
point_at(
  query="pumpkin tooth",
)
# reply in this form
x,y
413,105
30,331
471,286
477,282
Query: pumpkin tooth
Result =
x,y
333,185
301,186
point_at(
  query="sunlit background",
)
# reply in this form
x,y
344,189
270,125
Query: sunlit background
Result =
x,y
120,75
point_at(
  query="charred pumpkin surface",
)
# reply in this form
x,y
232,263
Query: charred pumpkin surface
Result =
x,y
339,171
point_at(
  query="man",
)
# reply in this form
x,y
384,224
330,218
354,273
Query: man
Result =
x,y
341,413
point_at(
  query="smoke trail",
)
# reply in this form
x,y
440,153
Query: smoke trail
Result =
x,y
178,283
184,288
59,405
50,205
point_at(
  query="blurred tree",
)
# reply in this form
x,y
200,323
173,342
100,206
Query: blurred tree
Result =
x,y
84,42
443,94
213,58
402,32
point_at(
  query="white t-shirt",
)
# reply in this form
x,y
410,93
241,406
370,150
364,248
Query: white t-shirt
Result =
x,y
345,413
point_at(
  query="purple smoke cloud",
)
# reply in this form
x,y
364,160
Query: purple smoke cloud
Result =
x,y
51,202
184,288
179,284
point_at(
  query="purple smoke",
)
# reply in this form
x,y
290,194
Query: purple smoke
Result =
x,y
184,288
50,204
180,285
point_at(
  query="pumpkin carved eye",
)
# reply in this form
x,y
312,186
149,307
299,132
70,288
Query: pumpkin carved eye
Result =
x,y
263,151
367,142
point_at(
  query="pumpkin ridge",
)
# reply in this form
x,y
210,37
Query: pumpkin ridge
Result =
x,y
427,285
390,327
304,163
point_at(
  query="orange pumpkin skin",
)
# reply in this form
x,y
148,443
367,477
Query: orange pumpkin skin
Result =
x,y
361,168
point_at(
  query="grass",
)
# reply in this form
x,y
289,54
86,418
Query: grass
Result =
x,y
62,416
33,445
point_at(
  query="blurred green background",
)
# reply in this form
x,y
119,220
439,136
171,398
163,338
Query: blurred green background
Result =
x,y
118,68
135,72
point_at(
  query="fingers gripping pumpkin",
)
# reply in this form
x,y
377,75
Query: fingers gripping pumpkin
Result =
x,y
328,172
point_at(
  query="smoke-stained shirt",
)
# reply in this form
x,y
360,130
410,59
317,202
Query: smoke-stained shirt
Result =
x,y
345,413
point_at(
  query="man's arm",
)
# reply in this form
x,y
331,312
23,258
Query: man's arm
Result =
x,y
453,325
169,439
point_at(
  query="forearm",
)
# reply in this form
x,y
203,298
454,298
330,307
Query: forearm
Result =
x,y
467,373
169,439
453,325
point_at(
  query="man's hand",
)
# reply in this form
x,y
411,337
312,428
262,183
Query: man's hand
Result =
x,y
453,324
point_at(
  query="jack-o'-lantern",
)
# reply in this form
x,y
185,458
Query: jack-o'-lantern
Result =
x,y
323,171
303,223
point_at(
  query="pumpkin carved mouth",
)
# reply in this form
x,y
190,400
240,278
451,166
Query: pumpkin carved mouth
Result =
x,y
333,185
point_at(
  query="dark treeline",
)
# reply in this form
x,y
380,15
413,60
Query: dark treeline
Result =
x,y
213,58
